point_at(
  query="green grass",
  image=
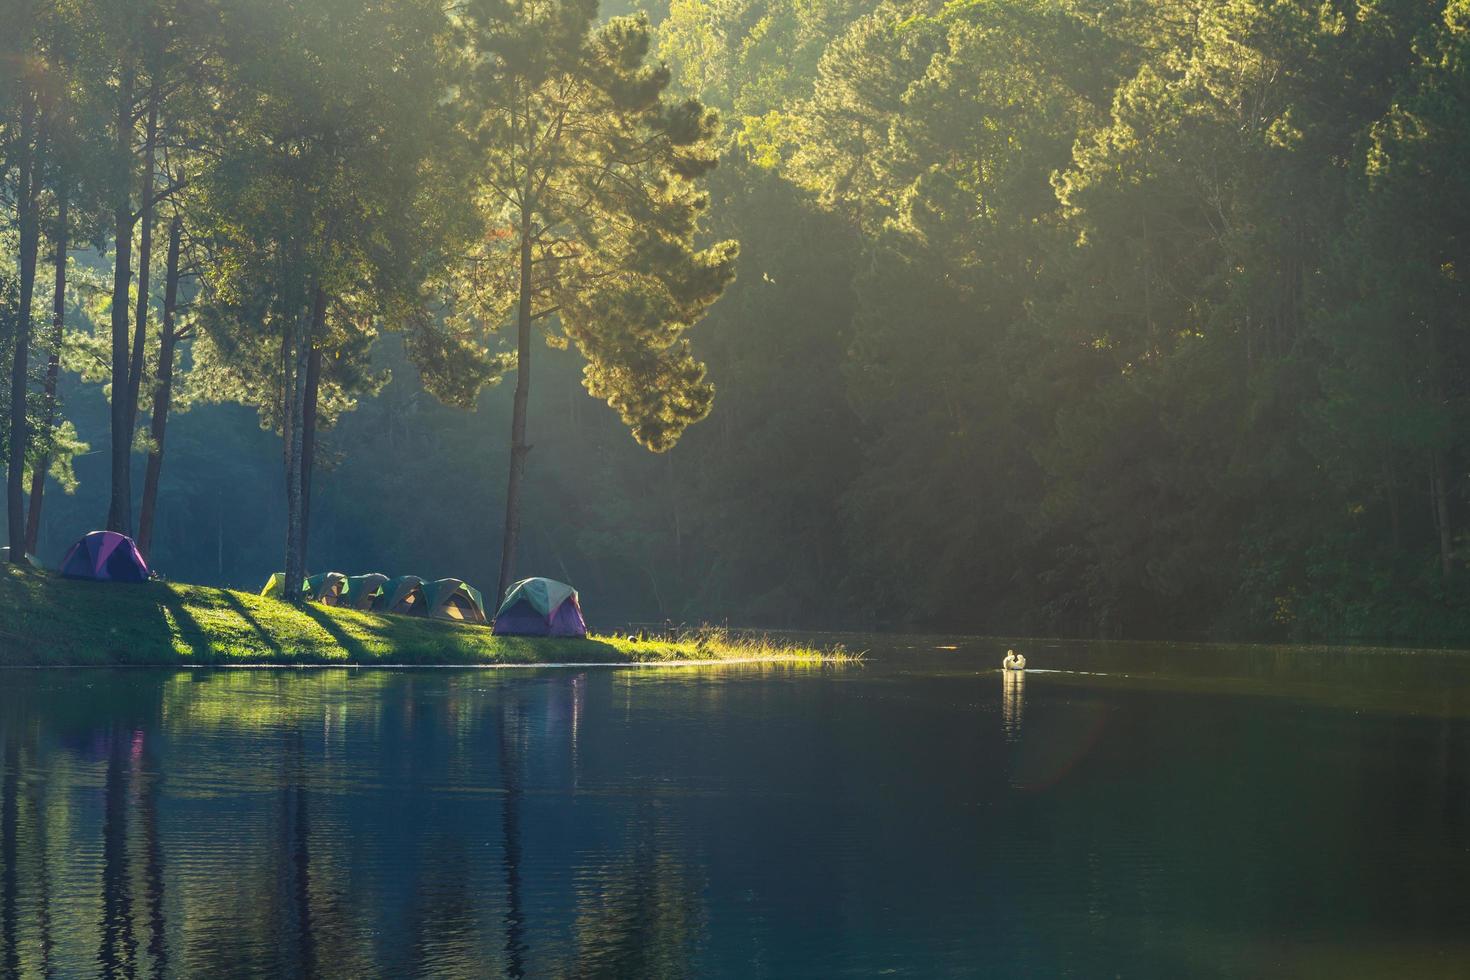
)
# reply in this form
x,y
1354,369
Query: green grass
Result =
x,y
46,620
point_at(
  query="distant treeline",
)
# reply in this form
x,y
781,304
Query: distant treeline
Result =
x,y
1120,317
1068,316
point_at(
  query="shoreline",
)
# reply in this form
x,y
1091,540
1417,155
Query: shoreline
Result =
x,y
843,660
50,621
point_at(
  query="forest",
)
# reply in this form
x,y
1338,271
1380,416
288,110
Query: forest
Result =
x,y
1119,318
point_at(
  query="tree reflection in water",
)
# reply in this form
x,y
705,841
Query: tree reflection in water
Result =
x,y
9,854
295,822
675,823
301,824
151,780
508,721
117,954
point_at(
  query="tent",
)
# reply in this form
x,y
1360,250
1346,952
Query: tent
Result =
x,y
449,598
363,590
326,588
540,607
403,595
276,587
105,556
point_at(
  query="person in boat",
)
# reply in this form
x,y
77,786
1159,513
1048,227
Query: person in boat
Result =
x,y
1013,661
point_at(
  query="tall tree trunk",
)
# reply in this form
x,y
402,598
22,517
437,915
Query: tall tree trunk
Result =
x,y
308,421
674,512
300,347
162,391
120,503
30,243
1148,292
291,589
145,259
1440,494
53,368
288,363
518,447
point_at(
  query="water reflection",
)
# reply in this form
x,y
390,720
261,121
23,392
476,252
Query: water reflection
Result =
x,y
511,751
118,951
315,824
294,890
764,822
9,873
1012,702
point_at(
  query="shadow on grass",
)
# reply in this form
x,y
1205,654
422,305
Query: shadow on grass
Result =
x,y
245,614
355,650
178,623
45,619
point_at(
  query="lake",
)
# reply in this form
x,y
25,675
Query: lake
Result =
x,y
1119,810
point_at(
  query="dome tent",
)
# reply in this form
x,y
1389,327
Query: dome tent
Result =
x,y
105,556
326,588
363,590
540,607
404,596
449,598
275,586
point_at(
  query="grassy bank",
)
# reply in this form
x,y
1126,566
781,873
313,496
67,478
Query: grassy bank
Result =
x,y
46,620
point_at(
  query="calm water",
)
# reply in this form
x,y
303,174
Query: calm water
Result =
x,y
1171,812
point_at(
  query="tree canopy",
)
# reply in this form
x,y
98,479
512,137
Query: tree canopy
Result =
x,y
1068,316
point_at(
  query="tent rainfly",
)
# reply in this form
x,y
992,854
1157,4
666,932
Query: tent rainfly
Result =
x,y
326,588
105,556
363,590
275,587
403,595
449,598
540,607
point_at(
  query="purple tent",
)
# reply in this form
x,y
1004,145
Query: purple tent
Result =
x,y
540,607
105,556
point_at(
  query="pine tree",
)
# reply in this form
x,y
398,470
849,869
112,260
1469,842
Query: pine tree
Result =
x,y
592,197
314,208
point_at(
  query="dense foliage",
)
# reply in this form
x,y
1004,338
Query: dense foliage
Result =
x,y
1081,316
